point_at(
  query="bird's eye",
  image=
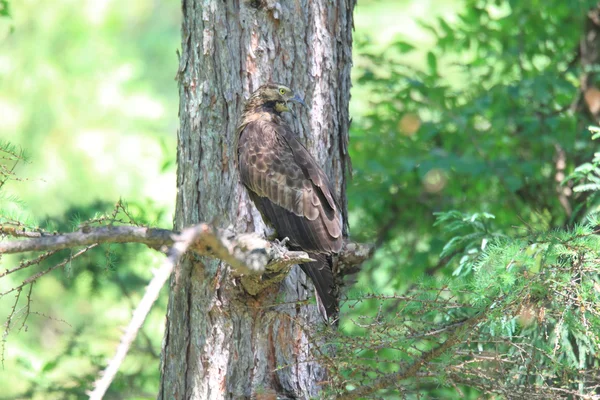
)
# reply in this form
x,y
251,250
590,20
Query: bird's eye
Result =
x,y
282,91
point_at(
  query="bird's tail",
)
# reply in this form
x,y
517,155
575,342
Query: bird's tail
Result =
x,y
321,275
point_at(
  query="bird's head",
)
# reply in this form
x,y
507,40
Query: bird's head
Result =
x,y
276,97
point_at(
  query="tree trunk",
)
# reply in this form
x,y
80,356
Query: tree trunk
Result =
x,y
221,342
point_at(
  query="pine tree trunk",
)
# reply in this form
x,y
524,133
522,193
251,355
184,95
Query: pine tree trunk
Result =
x,y
221,342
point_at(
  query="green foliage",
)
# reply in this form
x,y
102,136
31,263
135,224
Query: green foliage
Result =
x,y
585,178
460,157
4,8
469,236
119,62
463,128
104,285
476,125
86,89
525,321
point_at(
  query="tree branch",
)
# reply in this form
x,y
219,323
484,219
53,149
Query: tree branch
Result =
x,y
39,241
247,253
352,256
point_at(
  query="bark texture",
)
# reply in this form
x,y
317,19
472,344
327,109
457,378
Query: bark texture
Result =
x,y
221,342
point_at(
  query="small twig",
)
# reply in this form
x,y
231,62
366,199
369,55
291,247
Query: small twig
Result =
x,y
51,318
9,322
27,307
35,277
28,263
564,192
148,342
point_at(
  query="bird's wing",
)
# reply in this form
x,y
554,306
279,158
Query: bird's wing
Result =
x,y
289,187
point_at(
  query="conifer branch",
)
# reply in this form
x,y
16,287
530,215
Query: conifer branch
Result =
x,y
411,370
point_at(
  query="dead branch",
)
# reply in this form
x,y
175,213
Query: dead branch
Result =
x,y
39,241
352,256
246,253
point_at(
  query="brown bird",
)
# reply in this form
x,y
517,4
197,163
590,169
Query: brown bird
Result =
x,y
289,188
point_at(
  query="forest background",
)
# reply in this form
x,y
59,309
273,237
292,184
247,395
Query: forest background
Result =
x,y
470,127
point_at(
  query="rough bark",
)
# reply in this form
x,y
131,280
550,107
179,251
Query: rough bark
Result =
x,y
221,342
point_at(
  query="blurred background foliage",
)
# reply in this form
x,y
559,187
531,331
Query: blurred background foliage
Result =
x,y
467,143
477,125
467,116
87,89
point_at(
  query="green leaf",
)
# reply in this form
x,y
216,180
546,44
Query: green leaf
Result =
x,y
4,9
404,47
432,63
49,366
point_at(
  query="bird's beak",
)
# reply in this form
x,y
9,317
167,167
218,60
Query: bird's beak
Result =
x,y
299,100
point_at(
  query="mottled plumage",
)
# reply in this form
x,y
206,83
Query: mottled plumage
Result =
x,y
288,187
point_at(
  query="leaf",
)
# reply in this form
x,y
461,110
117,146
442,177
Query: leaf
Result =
x,y
4,9
404,47
432,63
49,366
589,187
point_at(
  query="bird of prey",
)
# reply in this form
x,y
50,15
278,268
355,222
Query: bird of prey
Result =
x,y
289,188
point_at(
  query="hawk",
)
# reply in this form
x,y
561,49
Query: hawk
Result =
x,y
288,187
